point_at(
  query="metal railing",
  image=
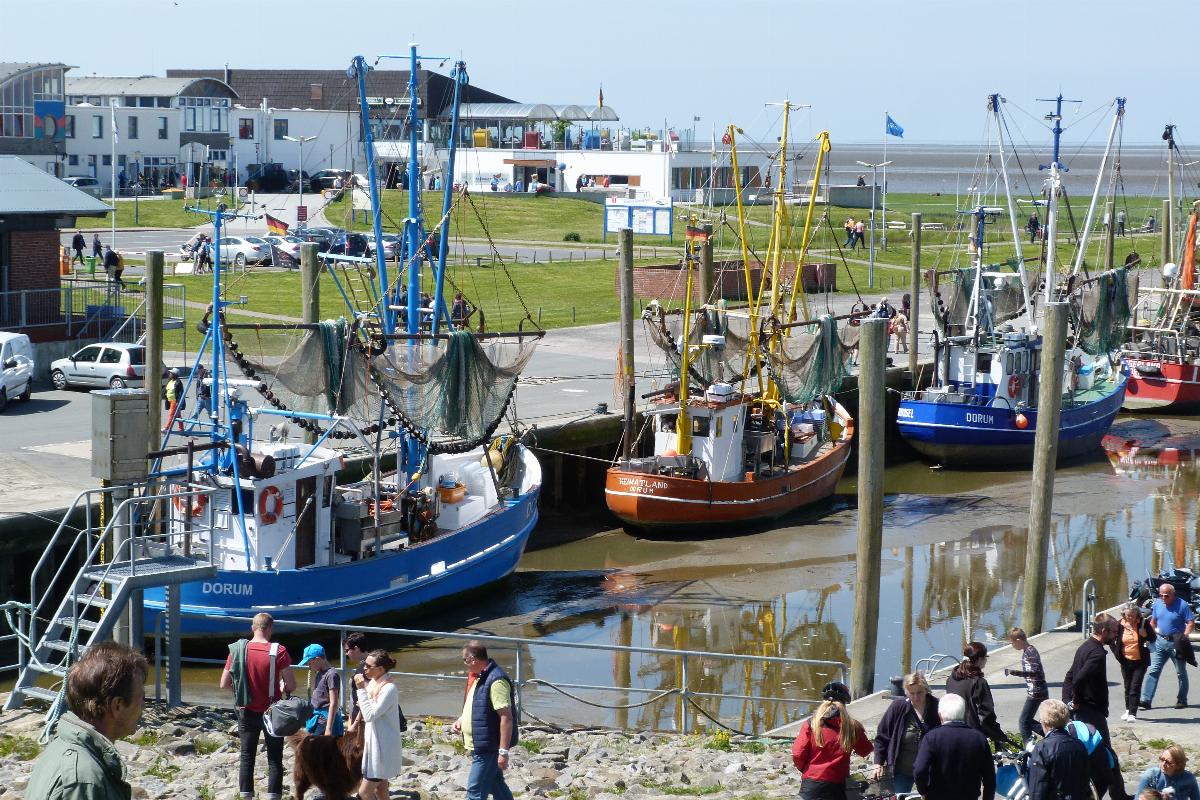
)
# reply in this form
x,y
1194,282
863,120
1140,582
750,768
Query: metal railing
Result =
x,y
691,664
1088,604
21,624
933,663
91,308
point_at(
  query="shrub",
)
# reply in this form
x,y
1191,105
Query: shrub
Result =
x,y
572,237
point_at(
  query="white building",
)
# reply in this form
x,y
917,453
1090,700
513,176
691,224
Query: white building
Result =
x,y
258,138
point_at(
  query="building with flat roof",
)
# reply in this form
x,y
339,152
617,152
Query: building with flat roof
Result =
x,y
164,127
32,113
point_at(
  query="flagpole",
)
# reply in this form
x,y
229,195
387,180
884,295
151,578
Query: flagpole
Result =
x,y
886,116
112,107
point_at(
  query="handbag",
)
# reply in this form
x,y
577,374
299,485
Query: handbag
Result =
x,y
286,715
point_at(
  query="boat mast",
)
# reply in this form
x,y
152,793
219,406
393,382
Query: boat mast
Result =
x,y
823,147
977,287
994,101
1169,222
752,299
1091,215
414,227
1054,184
683,425
459,76
359,69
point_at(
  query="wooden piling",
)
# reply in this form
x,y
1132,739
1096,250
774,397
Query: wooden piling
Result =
x,y
1045,453
871,428
625,237
1167,250
914,298
310,296
707,274
154,347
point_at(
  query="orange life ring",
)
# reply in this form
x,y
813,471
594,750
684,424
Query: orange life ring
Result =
x,y
1014,385
192,506
270,505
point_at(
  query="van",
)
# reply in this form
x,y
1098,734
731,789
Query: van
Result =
x,y
86,184
16,367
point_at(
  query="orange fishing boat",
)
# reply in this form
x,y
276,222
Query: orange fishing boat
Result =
x,y
751,452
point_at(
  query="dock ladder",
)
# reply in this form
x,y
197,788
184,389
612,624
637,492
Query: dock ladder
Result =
x,y
67,613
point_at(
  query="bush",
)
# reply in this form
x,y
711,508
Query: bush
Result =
x,y
572,237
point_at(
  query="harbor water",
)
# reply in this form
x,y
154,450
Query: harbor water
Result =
x,y
954,559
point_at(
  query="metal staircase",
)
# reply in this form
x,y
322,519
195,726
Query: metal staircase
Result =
x,y
86,607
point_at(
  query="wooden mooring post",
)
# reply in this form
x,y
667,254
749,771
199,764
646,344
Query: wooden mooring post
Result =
x,y
914,298
628,387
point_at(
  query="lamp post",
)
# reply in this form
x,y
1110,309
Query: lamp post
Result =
x,y
874,187
137,170
300,171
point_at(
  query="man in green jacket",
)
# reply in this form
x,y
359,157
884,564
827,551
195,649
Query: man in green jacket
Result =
x,y
106,695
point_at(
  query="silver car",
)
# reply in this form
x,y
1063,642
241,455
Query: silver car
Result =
x,y
240,250
86,184
112,364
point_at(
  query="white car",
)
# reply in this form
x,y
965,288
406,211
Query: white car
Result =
x,y
391,245
86,184
288,244
240,250
113,364
16,367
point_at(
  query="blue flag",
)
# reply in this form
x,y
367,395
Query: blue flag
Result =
x,y
894,129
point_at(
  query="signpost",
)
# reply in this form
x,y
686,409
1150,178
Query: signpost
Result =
x,y
641,215
301,213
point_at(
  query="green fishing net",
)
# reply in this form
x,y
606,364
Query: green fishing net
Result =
x,y
1103,308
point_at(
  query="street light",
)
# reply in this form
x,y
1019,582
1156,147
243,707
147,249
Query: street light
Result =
x,y
874,187
299,171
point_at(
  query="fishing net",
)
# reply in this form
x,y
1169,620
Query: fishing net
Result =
x,y
1000,298
452,392
811,361
707,364
1103,308
456,387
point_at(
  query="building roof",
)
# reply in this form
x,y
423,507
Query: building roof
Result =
x,y
29,190
148,85
10,68
571,113
534,112
602,113
333,90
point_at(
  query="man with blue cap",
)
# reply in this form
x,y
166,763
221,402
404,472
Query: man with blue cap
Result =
x,y
326,693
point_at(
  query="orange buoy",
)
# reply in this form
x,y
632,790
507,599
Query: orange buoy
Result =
x,y
1022,421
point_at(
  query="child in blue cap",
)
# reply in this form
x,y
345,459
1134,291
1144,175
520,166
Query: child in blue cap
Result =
x,y
326,693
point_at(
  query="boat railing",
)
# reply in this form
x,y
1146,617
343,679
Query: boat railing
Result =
x,y
143,520
685,675
931,664
955,398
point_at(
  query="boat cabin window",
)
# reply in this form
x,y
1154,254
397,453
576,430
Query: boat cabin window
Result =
x,y
1009,363
719,420
700,426
983,362
667,423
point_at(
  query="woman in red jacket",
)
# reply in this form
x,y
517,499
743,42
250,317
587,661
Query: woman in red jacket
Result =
x,y
822,749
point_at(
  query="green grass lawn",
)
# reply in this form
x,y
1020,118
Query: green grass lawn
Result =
x,y
151,214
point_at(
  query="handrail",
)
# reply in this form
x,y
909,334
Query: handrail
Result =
x,y
686,697
1089,606
935,663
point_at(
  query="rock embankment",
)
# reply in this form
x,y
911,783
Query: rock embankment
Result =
x,y
192,753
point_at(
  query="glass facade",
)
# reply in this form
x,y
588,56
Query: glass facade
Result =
x,y
18,94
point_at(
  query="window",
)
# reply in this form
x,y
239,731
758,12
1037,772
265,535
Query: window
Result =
x,y
110,356
145,102
72,161
129,102
189,119
69,128
700,426
316,91
133,127
163,102
106,160
281,129
87,354
97,126
246,128
162,127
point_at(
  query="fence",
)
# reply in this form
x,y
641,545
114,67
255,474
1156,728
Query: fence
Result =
x,y
687,679
90,308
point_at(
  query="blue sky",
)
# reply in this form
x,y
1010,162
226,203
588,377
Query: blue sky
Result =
x,y
929,62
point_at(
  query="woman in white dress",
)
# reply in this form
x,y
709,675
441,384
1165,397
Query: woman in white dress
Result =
x,y
380,705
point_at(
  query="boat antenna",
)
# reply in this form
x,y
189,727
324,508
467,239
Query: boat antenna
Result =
x,y
1055,166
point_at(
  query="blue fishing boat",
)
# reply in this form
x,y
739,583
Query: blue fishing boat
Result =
x,y
981,409
397,377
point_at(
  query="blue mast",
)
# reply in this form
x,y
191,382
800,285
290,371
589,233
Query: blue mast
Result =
x,y
414,226
1057,130
359,69
459,76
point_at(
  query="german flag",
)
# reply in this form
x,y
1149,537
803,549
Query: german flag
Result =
x,y
698,233
276,226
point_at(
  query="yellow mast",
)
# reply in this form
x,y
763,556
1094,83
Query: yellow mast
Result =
x,y
751,297
683,425
806,238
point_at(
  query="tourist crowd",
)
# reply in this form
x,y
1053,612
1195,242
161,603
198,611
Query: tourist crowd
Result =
x,y
941,747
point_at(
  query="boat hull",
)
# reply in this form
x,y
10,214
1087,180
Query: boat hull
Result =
x,y
963,435
451,564
1164,387
666,504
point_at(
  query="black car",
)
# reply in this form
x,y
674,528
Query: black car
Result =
x,y
330,179
325,238
270,177
350,244
299,176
